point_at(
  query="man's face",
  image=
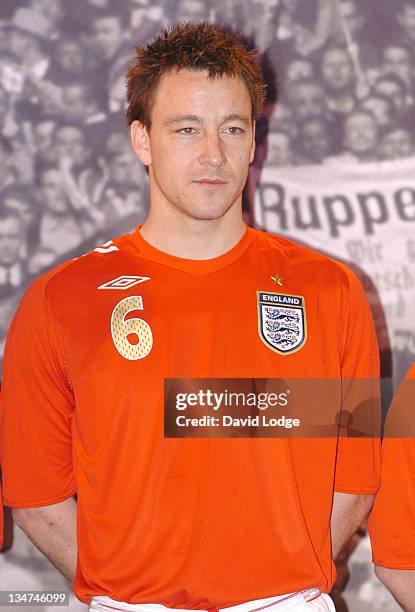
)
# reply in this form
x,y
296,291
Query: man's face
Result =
x,y
123,168
43,139
282,117
307,100
361,133
117,142
397,144
299,69
21,43
70,144
337,70
380,108
315,140
11,238
107,34
76,102
23,208
52,193
200,144
393,92
70,57
279,149
397,60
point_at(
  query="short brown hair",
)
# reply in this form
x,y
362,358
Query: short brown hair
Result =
x,y
195,46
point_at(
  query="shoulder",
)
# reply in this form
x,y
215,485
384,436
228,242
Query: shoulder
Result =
x,y
68,277
307,263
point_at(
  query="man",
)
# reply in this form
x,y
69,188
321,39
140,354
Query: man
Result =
x,y
110,33
361,136
394,88
81,176
42,17
42,135
392,522
61,227
338,79
397,142
314,142
397,59
14,265
8,175
382,109
307,99
299,68
122,197
207,522
69,62
279,151
13,268
17,198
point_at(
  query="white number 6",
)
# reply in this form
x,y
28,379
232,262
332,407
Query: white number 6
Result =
x,y
122,327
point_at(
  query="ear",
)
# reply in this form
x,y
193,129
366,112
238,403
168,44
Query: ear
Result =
x,y
252,155
140,140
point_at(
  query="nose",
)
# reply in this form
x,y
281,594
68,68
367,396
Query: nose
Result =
x,y
212,151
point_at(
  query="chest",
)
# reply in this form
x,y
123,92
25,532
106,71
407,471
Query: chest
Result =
x,y
148,328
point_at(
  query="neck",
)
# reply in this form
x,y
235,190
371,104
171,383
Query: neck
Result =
x,y
181,235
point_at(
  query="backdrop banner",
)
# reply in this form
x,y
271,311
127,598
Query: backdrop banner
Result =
x,y
363,214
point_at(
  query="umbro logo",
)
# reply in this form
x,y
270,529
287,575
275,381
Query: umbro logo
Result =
x,y
124,282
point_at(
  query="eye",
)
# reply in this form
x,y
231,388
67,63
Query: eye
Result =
x,y
187,131
235,131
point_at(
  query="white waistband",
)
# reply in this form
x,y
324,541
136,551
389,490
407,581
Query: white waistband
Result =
x,y
108,604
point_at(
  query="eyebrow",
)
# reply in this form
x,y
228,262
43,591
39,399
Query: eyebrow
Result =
x,y
195,119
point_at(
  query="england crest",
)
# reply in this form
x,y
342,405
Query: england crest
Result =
x,y
282,323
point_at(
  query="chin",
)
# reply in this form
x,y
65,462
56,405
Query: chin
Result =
x,y
208,212
207,215
206,208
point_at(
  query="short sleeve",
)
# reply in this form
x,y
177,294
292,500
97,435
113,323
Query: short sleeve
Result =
x,y
358,453
37,406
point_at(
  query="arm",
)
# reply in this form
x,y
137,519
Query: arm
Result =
x,y
401,583
348,513
53,531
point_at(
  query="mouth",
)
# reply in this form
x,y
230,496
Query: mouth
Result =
x,y
210,183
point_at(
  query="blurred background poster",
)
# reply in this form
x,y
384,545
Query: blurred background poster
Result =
x,y
333,167
343,125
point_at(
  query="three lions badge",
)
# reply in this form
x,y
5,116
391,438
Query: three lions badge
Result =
x,y
282,323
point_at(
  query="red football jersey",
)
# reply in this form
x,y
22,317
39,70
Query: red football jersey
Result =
x,y
392,521
188,523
